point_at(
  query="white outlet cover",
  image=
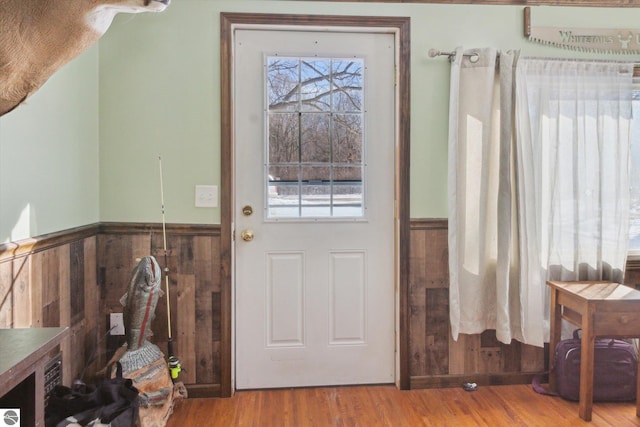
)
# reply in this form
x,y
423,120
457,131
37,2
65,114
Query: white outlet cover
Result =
x,y
116,319
206,196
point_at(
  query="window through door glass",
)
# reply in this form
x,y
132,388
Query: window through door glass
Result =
x,y
315,142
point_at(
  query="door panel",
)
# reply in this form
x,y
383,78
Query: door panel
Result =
x,y
314,158
347,298
285,299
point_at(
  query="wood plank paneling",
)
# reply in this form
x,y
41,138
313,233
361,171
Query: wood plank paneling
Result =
x,y
168,264
418,341
36,292
437,330
436,359
92,335
217,327
530,358
429,254
193,260
6,295
115,262
21,292
14,250
76,280
15,294
73,365
47,279
186,327
67,345
632,275
41,286
457,352
204,310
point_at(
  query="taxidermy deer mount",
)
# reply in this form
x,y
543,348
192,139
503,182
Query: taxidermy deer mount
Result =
x,y
37,37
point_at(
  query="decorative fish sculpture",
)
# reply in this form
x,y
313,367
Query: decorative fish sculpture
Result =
x,y
140,302
143,361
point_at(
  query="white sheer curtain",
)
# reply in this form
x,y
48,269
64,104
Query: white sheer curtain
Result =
x,y
573,131
551,203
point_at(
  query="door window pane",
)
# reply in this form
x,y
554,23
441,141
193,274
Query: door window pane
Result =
x,y
315,148
347,138
347,191
284,133
283,192
315,138
282,81
347,79
315,85
315,191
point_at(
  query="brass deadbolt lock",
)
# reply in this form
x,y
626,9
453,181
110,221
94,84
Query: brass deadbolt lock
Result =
x,y
247,210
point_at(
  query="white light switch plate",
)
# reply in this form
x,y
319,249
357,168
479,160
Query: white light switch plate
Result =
x,y
206,196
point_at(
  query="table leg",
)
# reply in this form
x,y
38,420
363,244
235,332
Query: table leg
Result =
x,y
555,331
638,393
39,392
586,366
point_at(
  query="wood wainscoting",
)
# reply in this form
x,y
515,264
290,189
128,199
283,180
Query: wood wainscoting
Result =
x,y
76,278
51,281
193,259
436,360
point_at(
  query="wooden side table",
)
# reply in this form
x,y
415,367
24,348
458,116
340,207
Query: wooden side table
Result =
x,y
23,356
601,309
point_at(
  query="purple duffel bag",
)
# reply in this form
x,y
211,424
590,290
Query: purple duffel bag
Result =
x,y
614,369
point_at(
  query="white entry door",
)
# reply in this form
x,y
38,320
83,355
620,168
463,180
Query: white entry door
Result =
x,y
314,208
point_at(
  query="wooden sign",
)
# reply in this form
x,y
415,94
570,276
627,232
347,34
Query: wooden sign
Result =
x,y
597,40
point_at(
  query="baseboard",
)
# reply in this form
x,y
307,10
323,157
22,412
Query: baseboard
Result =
x,y
203,390
448,381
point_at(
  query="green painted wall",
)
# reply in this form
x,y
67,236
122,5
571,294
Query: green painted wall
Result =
x,y
159,93
49,155
85,148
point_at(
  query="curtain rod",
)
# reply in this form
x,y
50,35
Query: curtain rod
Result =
x,y
473,57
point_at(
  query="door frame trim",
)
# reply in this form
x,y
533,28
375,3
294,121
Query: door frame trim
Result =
x,y
401,26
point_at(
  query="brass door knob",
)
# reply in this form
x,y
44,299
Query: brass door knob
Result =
x,y
247,235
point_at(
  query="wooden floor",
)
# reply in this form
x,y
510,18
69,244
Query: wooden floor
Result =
x,y
370,406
